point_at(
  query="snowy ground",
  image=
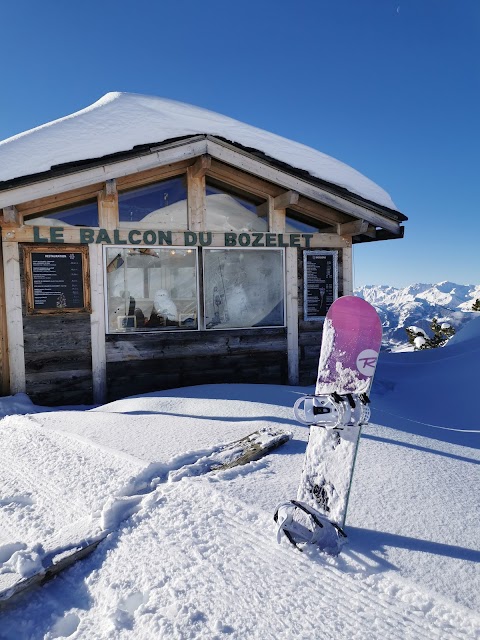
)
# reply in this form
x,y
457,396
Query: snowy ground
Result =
x,y
197,557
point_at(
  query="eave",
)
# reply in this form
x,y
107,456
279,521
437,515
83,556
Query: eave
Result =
x,y
62,178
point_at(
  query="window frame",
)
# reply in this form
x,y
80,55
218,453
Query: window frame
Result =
x,y
200,289
284,286
158,330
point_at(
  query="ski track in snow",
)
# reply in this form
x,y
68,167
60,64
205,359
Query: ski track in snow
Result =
x,y
207,542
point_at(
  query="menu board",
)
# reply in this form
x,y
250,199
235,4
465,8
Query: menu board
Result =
x,y
56,279
320,283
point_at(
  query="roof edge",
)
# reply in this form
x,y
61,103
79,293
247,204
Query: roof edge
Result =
x,y
145,149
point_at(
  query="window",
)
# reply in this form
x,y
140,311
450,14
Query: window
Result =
x,y
296,222
152,288
228,210
156,288
243,288
163,204
80,215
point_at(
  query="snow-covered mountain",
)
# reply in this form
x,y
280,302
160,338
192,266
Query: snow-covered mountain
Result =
x,y
417,304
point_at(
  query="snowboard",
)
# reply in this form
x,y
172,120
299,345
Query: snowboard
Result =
x,y
223,457
352,335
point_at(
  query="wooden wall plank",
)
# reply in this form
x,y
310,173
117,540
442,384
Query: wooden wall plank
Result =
x,y
153,375
174,345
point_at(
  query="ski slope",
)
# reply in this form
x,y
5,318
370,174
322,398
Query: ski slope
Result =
x,y
197,556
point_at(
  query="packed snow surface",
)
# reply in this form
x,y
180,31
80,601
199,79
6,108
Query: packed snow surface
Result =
x,y
120,121
196,556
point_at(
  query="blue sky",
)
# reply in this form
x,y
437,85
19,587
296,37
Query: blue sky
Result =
x,y
392,88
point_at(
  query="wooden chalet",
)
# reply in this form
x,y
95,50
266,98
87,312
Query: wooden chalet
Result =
x,y
192,259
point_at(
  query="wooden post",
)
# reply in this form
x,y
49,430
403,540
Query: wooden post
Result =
x,y
108,206
276,217
14,320
347,264
196,183
97,320
292,314
4,366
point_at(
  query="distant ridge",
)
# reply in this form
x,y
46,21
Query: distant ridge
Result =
x,y
417,305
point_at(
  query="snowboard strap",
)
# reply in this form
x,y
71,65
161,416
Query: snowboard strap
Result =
x,y
333,411
311,528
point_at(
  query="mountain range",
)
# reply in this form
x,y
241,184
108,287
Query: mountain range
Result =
x,y
417,305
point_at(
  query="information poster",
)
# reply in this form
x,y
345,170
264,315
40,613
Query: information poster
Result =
x,y
320,283
56,279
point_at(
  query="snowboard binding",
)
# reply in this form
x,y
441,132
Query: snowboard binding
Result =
x,y
303,526
333,411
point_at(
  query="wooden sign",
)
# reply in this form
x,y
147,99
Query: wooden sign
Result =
x,y
57,279
320,283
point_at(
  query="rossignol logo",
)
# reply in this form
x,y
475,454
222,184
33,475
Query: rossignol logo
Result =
x,y
367,361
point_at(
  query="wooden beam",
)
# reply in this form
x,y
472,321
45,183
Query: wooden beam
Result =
x,y
55,235
200,167
157,174
60,200
238,158
286,199
244,181
353,228
320,212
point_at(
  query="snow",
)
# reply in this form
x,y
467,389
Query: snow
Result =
x,y
120,121
419,342
415,306
195,555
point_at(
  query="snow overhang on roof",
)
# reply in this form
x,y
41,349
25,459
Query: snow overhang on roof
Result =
x,y
122,124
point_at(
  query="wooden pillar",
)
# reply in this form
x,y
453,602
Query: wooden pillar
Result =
x,y
97,320
4,366
108,206
276,217
14,319
291,259
196,183
347,268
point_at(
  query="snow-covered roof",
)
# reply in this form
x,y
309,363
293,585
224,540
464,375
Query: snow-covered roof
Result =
x,y
120,121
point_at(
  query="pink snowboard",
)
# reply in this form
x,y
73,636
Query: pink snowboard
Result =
x,y
351,340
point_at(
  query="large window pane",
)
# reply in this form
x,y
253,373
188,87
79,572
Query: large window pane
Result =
x,y
162,205
153,288
81,215
229,211
243,288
